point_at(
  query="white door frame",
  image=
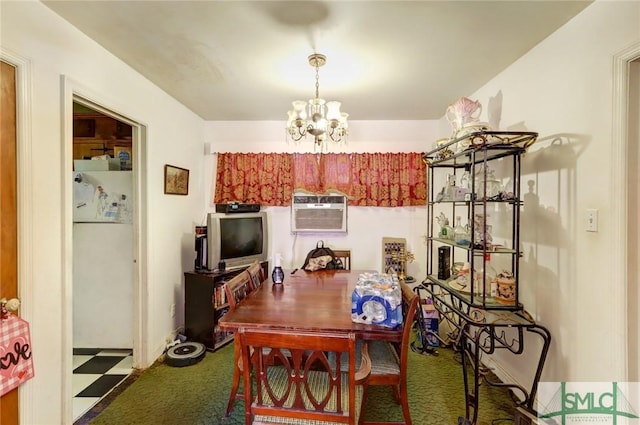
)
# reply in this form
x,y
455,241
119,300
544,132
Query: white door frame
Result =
x,y
622,268
75,92
25,207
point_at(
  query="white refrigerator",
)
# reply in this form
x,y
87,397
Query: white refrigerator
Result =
x,y
102,196
102,259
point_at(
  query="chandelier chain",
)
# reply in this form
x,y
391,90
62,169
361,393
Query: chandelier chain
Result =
x,y
317,81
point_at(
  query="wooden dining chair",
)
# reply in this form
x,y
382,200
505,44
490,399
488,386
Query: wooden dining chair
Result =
x,y
256,272
236,290
294,382
345,256
389,360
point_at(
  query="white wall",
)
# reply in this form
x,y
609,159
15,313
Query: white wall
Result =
x,y
366,225
53,49
563,89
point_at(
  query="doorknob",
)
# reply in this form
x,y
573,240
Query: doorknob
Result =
x,y
7,305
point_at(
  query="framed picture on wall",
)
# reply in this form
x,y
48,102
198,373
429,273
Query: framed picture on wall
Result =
x,y
176,180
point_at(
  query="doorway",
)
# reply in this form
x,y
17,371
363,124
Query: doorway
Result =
x,y
136,259
103,255
625,199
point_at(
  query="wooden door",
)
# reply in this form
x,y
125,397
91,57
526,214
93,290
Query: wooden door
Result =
x,y
8,212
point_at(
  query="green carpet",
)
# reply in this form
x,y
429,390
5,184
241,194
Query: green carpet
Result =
x,y
198,394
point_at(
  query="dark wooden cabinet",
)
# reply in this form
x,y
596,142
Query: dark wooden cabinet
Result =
x,y
204,304
95,134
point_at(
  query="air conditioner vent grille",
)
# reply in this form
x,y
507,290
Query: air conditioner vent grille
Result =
x,y
311,213
319,219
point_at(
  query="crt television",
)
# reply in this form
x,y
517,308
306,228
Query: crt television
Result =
x,y
238,239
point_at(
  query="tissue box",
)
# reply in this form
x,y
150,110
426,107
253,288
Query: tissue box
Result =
x,y
96,164
377,300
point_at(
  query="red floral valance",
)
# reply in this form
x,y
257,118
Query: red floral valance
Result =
x,y
254,178
368,179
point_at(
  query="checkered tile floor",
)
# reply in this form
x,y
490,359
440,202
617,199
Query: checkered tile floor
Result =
x,y
96,372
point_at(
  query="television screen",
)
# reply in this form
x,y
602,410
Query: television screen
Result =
x,y
240,237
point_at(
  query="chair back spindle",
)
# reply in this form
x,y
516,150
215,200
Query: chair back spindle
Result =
x,y
238,288
256,272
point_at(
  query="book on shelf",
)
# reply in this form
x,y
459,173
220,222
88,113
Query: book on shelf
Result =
x,y
220,296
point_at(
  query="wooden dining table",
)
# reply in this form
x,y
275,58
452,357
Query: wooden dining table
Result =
x,y
317,301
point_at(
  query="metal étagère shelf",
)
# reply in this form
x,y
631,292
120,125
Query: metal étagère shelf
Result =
x,y
483,322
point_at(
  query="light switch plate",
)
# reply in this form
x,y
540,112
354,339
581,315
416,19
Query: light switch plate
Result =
x,y
591,223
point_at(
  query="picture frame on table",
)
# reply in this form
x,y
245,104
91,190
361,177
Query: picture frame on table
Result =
x,y
176,180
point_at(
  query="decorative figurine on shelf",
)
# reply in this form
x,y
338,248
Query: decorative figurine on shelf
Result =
x,y
402,257
448,191
472,129
506,289
488,186
462,278
446,231
463,115
465,182
461,112
485,277
277,276
442,152
482,232
461,234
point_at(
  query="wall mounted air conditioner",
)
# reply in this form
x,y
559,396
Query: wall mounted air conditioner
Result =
x,y
319,213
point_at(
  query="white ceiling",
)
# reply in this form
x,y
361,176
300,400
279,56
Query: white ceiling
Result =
x,y
386,60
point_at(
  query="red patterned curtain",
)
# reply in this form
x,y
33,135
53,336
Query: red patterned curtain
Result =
x,y
369,179
322,173
254,178
388,180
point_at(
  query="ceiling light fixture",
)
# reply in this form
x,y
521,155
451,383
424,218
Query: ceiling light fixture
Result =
x,y
317,117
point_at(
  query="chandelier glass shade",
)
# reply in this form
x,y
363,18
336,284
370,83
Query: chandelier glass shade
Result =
x,y
321,119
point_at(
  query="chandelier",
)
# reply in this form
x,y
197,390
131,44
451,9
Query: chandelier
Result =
x,y
317,117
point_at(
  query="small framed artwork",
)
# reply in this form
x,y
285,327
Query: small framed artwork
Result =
x,y
176,180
